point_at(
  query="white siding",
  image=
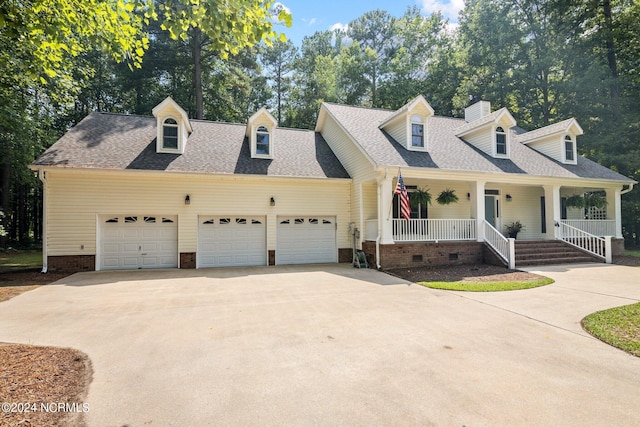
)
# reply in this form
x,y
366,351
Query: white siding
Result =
x,y
75,199
398,131
460,210
354,161
370,201
481,139
551,147
524,207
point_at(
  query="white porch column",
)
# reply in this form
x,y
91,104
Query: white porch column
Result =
x,y
552,209
385,215
614,208
477,207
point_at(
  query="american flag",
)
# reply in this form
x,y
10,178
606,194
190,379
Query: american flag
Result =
x,y
405,208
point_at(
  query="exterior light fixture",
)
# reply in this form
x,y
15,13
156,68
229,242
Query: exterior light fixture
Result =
x,y
187,200
509,198
273,201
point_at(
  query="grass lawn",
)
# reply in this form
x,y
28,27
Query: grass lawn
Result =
x,y
12,260
632,253
488,286
619,327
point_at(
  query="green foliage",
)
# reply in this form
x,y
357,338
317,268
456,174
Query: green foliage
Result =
x,y
447,196
420,196
619,327
3,232
488,286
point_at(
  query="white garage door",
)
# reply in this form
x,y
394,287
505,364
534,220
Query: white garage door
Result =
x,y
306,240
138,241
231,241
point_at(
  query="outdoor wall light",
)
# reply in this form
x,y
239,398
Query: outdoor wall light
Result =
x,y
273,201
187,200
468,196
509,198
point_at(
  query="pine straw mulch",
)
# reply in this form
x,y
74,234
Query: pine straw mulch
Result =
x,y
468,273
37,379
41,379
15,282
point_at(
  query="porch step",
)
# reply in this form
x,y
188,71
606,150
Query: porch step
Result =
x,y
545,252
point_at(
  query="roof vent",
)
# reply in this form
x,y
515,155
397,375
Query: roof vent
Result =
x,y
477,111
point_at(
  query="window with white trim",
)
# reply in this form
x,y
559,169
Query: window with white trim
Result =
x,y
262,141
417,132
569,149
170,134
501,141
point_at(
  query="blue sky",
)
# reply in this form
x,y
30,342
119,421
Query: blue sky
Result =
x,y
310,16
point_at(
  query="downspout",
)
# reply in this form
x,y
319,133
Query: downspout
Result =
x,y
627,190
43,177
380,215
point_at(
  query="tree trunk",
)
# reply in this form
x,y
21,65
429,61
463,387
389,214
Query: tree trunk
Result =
x,y
614,87
196,54
5,173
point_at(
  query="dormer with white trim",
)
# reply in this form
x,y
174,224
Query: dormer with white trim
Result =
x,y
487,131
557,141
408,125
173,127
260,132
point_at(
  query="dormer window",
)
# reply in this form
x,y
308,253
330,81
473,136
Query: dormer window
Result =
x,y
172,127
170,134
262,141
569,149
417,132
501,141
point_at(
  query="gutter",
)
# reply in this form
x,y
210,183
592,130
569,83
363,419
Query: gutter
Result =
x,y
43,177
627,190
380,218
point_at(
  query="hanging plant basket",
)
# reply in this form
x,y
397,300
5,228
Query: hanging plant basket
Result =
x,y
575,201
447,196
594,200
420,197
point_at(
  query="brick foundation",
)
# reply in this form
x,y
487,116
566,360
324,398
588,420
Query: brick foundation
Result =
x,y
424,254
617,247
71,263
187,260
345,255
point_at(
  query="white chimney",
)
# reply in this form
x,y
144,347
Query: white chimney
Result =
x,y
477,111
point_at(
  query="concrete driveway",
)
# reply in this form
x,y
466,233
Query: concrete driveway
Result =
x,y
333,345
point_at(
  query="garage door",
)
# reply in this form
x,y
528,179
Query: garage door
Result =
x,y
231,241
306,240
138,241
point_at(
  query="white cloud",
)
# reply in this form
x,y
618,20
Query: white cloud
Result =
x,y
278,7
312,21
339,26
449,8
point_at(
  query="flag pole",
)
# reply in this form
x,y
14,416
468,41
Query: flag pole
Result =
x,y
394,192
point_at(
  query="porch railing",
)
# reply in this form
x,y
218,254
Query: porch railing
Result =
x,y
596,227
598,246
420,230
503,246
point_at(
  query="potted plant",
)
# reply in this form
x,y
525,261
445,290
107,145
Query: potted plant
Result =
x,y
575,201
447,196
514,228
420,196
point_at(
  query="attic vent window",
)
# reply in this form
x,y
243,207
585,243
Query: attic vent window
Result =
x,y
262,140
568,149
170,134
501,141
417,132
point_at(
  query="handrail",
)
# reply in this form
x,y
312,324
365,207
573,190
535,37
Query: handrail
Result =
x,y
597,227
597,246
422,230
503,246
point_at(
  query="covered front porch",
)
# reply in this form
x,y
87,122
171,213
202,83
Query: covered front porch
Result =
x,y
486,212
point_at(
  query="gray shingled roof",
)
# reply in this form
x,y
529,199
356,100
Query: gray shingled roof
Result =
x,y
448,152
113,141
545,131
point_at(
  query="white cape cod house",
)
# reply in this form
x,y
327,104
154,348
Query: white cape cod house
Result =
x,y
129,192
